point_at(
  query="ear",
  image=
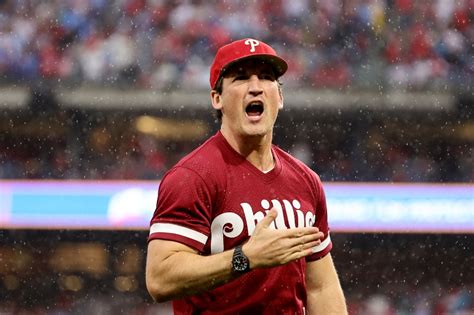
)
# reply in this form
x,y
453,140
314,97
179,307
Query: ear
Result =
x,y
216,100
281,97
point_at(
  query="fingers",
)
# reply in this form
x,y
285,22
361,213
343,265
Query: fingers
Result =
x,y
303,246
301,250
307,238
270,247
269,218
304,243
309,246
302,232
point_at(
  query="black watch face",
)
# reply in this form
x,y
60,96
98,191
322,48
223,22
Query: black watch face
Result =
x,y
240,263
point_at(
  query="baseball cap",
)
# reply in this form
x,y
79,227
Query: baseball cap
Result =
x,y
247,48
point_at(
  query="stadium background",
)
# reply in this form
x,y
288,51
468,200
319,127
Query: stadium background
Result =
x,y
377,91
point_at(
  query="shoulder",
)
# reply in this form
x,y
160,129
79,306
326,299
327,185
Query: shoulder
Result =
x,y
205,158
290,161
204,162
292,164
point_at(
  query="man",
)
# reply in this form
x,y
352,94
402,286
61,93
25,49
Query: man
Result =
x,y
240,226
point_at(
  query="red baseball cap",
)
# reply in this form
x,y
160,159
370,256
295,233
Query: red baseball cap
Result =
x,y
246,48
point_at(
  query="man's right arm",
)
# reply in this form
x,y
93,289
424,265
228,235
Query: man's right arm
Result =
x,y
174,270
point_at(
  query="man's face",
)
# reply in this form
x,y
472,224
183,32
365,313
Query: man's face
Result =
x,y
250,99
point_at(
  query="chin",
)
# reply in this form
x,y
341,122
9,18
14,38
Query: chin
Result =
x,y
256,132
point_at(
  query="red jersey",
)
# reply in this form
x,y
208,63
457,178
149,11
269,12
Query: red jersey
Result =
x,y
213,199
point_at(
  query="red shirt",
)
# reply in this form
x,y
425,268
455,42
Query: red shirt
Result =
x,y
212,200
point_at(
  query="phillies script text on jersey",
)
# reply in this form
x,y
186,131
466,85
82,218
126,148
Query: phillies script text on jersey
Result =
x,y
231,225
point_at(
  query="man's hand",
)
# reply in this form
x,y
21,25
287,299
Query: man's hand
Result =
x,y
272,247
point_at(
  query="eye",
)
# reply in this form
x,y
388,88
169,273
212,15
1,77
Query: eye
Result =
x,y
240,77
268,76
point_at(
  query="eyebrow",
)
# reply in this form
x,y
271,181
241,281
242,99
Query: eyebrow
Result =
x,y
233,71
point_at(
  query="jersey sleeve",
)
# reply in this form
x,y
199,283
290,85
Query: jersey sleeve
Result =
x,y
183,209
321,222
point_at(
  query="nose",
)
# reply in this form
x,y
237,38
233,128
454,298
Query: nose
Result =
x,y
255,86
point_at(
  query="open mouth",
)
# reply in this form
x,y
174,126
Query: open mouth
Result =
x,y
254,109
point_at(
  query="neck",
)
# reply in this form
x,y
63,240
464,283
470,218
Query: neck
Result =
x,y
256,149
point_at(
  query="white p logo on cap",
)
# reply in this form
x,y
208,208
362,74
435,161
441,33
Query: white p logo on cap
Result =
x,y
253,43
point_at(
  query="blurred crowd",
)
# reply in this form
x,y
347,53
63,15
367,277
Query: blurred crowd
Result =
x,y
167,44
382,147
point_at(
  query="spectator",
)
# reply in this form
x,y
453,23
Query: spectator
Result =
x,y
154,44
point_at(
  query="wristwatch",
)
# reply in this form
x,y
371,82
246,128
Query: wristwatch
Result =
x,y
240,262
